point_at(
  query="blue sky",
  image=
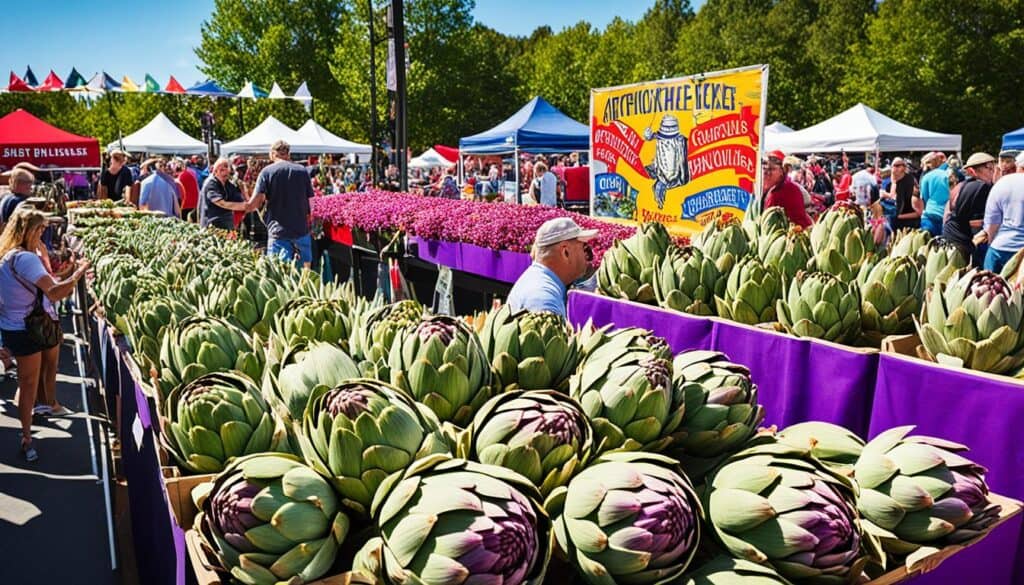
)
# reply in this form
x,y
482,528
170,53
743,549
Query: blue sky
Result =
x,y
157,37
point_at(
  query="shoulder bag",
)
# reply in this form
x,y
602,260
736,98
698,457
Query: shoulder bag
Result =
x,y
39,325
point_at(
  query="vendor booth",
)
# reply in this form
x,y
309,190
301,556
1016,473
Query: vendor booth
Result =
x,y
430,159
861,129
259,139
1013,140
159,136
315,134
538,127
26,138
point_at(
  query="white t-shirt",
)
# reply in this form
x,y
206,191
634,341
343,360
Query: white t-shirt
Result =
x,y
861,185
547,186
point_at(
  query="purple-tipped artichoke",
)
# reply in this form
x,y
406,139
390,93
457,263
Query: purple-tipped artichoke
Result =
x,y
776,504
452,521
629,518
541,434
918,490
270,519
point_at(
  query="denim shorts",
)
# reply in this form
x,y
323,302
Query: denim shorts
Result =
x,y
296,249
19,343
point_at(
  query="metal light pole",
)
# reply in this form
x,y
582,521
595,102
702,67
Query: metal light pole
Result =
x,y
373,98
396,20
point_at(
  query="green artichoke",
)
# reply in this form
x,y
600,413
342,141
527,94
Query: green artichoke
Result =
x,y
628,518
942,261
726,570
788,251
776,504
910,242
248,301
685,281
361,431
627,269
374,333
751,292
589,339
821,305
271,520
202,345
308,319
440,362
892,296
541,434
628,396
288,384
918,490
724,244
841,241
721,410
774,219
528,349
446,521
976,317
146,322
833,445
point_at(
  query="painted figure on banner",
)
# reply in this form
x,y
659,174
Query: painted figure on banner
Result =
x,y
669,167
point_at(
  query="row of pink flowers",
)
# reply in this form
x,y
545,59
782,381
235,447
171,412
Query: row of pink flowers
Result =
x,y
499,226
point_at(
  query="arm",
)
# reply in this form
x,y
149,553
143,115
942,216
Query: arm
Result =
x,y
993,216
56,290
217,198
146,189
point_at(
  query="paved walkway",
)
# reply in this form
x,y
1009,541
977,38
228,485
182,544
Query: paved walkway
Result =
x,y
53,512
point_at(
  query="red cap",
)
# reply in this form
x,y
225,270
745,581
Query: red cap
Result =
x,y
238,160
777,154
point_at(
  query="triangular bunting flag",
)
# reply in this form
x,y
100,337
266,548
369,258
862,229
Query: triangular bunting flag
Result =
x,y
51,83
16,84
252,91
276,93
302,94
109,83
30,78
151,85
128,85
74,79
173,86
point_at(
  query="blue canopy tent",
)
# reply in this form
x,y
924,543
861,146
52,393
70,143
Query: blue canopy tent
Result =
x,y
208,89
537,127
1014,140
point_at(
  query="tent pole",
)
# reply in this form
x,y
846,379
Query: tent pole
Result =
x,y
515,161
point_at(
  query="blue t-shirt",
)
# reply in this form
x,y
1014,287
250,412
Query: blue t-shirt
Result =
x,y
18,293
8,203
935,191
1005,206
160,193
288,190
539,289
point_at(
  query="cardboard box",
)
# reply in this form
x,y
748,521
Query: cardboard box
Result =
x,y
179,494
208,573
909,345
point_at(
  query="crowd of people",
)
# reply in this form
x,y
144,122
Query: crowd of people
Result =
x,y
541,178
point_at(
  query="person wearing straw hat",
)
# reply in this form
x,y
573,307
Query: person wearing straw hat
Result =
x,y
967,208
561,256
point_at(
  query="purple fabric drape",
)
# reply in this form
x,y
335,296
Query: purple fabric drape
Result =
x,y
683,332
494,264
982,412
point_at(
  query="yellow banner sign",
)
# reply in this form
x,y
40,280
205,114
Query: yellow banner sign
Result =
x,y
680,151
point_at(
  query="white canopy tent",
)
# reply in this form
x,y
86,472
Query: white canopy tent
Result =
x,y
430,159
313,133
259,139
160,136
861,129
777,128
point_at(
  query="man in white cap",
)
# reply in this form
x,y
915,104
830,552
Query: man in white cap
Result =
x,y
561,256
1004,218
967,208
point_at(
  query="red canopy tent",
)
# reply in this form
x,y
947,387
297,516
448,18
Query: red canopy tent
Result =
x,y
25,138
451,154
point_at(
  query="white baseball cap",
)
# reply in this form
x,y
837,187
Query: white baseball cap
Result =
x,y
561,229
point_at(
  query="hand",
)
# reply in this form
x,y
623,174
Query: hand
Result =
x,y
980,238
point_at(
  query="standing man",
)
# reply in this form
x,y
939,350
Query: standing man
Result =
x,y
1004,217
286,188
1007,163
934,192
967,208
545,185
861,185
220,198
160,191
561,256
20,183
189,186
779,191
908,203
115,178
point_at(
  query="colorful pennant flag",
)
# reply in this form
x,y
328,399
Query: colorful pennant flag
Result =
x,y
276,93
151,85
74,79
128,85
173,86
30,78
17,84
51,83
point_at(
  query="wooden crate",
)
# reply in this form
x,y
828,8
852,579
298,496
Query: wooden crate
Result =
x,y
179,494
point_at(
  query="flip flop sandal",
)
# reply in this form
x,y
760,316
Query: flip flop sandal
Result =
x,y
29,452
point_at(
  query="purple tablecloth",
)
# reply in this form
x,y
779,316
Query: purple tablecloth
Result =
x,y
683,332
493,264
983,412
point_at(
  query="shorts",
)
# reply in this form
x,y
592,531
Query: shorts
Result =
x,y
296,249
20,344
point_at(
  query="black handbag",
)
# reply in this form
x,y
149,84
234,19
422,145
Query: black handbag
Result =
x,y
40,327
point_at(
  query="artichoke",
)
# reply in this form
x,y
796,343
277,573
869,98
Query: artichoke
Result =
x,y
628,518
833,445
528,349
892,296
361,431
628,396
202,345
776,504
447,521
751,292
773,219
308,319
721,410
627,269
788,251
216,418
541,434
724,243
976,317
374,333
821,305
725,570
685,281
247,301
146,322
841,241
440,362
918,490
942,261
269,519
910,242
589,339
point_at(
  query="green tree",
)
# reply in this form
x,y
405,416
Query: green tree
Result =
x,y
657,34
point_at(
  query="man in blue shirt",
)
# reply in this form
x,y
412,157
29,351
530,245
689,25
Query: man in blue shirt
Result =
x,y
160,192
1004,219
561,256
934,192
287,189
